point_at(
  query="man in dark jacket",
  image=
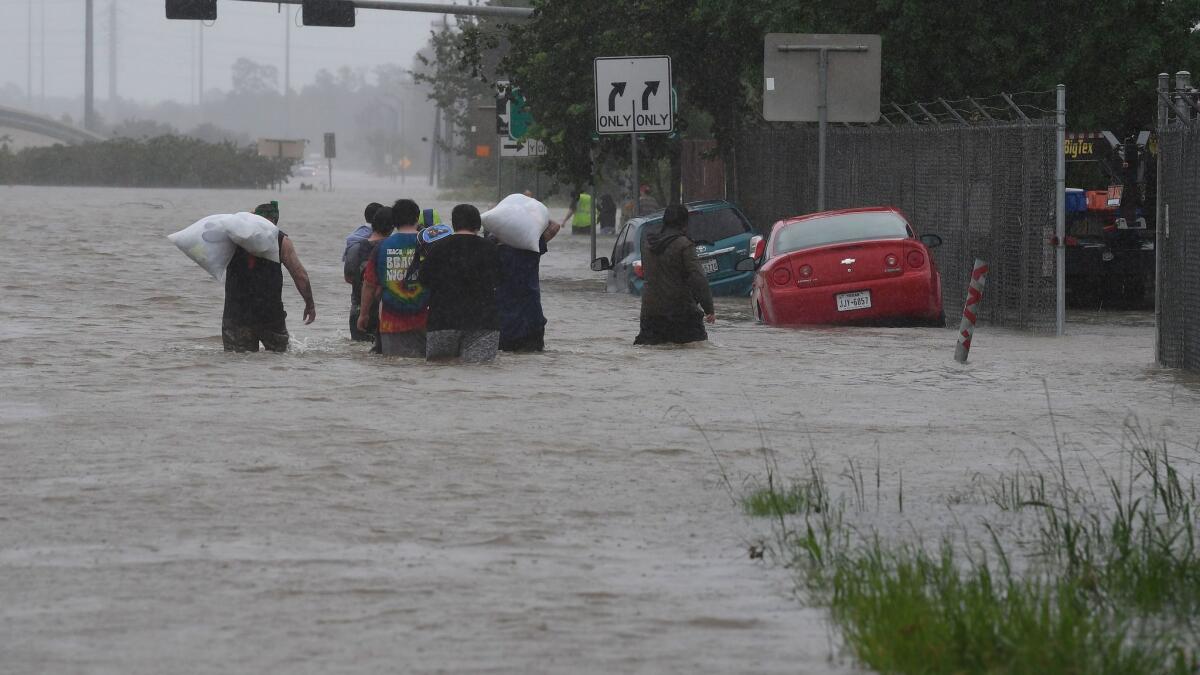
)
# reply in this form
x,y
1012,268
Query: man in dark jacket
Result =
x,y
675,285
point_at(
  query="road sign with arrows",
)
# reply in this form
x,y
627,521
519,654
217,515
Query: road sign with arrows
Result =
x,y
633,94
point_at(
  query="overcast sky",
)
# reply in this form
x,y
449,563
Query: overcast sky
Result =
x,y
157,58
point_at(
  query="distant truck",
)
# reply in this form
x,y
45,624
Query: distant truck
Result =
x,y
1110,257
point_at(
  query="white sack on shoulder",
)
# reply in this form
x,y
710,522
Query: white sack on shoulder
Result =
x,y
207,244
212,241
518,221
259,236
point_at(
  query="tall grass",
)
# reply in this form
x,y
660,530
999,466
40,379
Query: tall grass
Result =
x,y
1110,582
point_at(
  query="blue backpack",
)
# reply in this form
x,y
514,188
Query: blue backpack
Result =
x,y
426,238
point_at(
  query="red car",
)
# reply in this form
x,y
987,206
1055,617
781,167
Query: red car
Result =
x,y
863,265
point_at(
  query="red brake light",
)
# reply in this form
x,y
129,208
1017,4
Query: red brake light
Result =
x,y
781,275
1070,241
637,269
916,259
758,246
805,272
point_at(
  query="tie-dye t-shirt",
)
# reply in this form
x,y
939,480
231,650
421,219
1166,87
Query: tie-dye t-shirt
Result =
x,y
403,306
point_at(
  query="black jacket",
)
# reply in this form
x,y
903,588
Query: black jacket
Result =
x,y
675,283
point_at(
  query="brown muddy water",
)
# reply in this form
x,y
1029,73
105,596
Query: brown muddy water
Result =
x,y
167,507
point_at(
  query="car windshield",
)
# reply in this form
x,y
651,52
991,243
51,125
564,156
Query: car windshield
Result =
x,y
705,227
838,229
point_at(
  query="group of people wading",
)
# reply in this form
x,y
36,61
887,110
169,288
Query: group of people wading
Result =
x,y
424,290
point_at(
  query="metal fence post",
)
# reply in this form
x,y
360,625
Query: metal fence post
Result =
x,y
1060,213
1183,83
822,122
1164,83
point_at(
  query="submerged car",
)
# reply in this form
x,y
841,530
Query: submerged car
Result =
x,y
722,234
864,265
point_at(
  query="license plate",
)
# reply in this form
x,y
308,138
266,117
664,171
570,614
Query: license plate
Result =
x,y
709,266
848,302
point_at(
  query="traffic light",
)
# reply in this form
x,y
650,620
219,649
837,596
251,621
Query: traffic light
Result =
x,y
193,10
337,13
330,145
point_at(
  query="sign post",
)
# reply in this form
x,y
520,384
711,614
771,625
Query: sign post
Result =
x,y
804,85
330,154
644,80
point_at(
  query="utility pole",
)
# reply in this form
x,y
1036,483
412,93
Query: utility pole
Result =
x,y
89,102
287,72
112,54
42,61
200,88
433,149
29,59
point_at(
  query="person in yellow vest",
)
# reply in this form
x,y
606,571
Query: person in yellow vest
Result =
x,y
429,218
580,213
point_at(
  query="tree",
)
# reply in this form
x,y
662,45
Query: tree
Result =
x,y
254,78
139,128
458,66
1107,52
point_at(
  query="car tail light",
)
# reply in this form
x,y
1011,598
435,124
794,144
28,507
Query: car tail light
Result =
x,y
916,259
891,261
758,246
780,276
805,272
637,269
1070,241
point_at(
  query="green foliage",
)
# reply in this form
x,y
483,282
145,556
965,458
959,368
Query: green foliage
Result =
x,y
906,611
1108,53
1108,584
768,502
163,161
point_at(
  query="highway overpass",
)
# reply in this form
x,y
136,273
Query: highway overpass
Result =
x,y
26,129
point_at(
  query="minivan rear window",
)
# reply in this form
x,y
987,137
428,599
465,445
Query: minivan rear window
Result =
x,y
838,229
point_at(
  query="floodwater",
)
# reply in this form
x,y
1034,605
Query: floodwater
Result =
x,y
168,507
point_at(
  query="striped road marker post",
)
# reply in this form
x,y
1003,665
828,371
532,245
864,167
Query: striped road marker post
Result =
x,y
974,295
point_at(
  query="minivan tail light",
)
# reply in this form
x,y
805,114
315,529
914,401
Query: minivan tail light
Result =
x,y
758,246
637,269
916,259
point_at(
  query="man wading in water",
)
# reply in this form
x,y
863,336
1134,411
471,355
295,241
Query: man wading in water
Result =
x,y
675,285
401,305
254,295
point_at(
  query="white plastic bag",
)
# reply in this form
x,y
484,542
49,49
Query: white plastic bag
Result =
x,y
207,244
259,236
212,241
518,221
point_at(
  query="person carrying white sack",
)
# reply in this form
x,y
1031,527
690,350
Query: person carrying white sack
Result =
x,y
521,227
254,295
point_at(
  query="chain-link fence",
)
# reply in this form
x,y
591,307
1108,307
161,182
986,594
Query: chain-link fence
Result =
x,y
977,172
1179,231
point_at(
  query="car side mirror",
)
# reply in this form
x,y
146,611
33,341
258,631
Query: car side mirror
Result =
x,y
746,265
931,240
601,264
